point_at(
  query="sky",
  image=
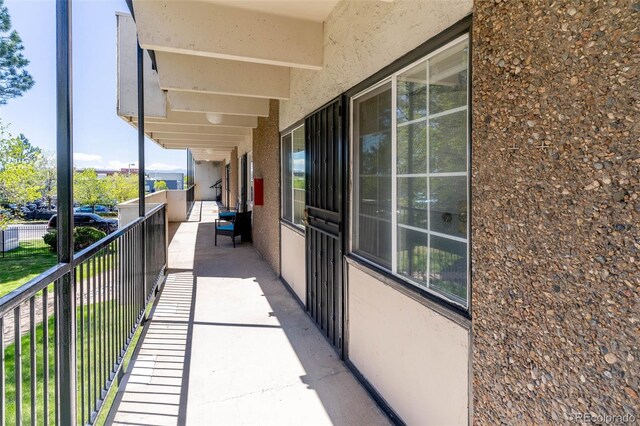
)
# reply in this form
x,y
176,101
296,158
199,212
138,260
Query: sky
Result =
x,y
101,138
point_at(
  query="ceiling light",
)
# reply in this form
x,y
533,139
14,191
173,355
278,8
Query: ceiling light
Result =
x,y
214,117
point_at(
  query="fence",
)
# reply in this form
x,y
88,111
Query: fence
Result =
x,y
23,240
110,291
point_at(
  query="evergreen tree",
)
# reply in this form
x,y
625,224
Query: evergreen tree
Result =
x,y
14,79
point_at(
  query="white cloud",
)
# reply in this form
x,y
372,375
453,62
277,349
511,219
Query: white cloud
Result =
x,y
81,157
163,166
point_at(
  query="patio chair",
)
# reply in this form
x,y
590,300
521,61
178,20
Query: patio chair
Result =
x,y
233,228
230,214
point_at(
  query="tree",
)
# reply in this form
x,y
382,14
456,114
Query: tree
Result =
x,y
47,176
19,159
14,79
160,185
88,189
121,188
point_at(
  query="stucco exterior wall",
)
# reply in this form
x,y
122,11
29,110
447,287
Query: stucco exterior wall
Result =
x,y
206,174
361,38
266,163
556,210
235,182
414,357
294,261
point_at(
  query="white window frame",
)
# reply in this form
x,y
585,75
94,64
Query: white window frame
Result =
x,y
282,177
353,237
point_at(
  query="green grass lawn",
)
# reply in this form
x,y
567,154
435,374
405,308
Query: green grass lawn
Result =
x,y
10,394
15,271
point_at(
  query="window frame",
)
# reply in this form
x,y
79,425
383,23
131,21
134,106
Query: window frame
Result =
x,y
289,132
460,32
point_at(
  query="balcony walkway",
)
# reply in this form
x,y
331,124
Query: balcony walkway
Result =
x,y
227,344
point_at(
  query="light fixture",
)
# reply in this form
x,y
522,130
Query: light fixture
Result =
x,y
214,117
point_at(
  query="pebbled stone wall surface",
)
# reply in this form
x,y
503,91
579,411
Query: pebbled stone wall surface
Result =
x,y
556,210
266,163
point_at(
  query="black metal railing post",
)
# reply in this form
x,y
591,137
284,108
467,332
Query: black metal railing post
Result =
x,y
65,292
141,169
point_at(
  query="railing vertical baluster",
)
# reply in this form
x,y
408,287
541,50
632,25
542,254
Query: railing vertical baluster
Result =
x,y
32,347
56,354
88,338
100,324
3,387
105,323
80,269
17,362
45,355
94,398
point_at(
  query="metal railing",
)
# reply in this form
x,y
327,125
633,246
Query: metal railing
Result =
x,y
114,281
190,198
23,240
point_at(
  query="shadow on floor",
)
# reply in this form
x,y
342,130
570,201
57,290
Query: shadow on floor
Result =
x,y
240,352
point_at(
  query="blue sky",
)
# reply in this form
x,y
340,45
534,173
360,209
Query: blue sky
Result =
x,y
101,138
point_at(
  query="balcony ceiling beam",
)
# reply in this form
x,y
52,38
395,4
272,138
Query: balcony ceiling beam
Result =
x,y
220,104
200,119
191,73
198,138
198,130
214,148
227,32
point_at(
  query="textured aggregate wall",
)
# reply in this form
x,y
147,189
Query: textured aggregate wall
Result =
x,y
266,163
556,210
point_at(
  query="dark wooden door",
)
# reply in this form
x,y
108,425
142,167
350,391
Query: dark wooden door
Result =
x,y
324,228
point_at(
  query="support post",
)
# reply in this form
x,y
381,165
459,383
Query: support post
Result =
x,y
65,288
141,173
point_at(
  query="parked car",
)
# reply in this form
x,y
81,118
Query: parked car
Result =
x,y
89,209
43,214
88,219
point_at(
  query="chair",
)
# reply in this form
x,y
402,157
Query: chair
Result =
x,y
233,228
229,215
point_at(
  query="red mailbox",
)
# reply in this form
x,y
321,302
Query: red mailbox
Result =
x,y
258,192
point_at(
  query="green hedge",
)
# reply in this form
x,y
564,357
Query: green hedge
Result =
x,y
83,237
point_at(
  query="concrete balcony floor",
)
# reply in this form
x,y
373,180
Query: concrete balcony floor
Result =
x,y
227,344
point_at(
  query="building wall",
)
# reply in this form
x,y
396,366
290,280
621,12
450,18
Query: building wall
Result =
x,y
555,185
361,38
415,357
266,162
235,182
206,174
294,261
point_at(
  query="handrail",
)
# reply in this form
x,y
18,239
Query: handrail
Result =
x,y
84,254
18,296
21,294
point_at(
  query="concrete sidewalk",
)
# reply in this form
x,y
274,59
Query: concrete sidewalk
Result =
x,y
227,344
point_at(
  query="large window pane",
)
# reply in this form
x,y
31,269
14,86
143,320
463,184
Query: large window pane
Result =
x,y
412,94
372,133
287,167
413,202
412,254
412,148
417,227
448,201
448,273
448,143
298,175
448,78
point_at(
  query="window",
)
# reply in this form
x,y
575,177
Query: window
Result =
x,y
293,176
411,145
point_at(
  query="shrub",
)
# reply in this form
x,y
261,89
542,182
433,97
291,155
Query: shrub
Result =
x,y
51,239
83,237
